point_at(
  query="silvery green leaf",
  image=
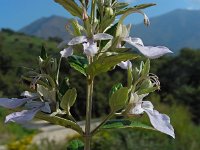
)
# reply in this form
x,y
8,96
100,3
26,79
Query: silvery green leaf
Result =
x,y
146,68
102,36
115,88
122,123
68,99
160,122
119,99
13,102
23,116
91,49
119,30
79,63
77,40
147,90
125,64
125,32
105,63
67,52
71,7
48,95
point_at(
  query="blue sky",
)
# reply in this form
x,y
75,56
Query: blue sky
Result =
x,y
15,14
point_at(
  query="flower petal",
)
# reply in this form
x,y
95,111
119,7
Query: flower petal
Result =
x,y
77,40
29,94
161,122
102,36
137,109
90,50
38,104
133,41
147,105
125,64
67,52
13,102
23,116
153,52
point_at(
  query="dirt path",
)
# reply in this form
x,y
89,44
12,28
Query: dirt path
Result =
x,y
54,132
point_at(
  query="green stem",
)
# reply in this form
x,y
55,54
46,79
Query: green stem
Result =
x,y
102,123
88,136
93,9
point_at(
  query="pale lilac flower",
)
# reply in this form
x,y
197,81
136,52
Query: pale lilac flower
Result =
x,y
67,52
148,51
160,122
25,115
89,44
125,64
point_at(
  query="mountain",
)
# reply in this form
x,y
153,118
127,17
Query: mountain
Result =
x,y
46,27
176,29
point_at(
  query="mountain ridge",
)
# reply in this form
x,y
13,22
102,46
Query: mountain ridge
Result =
x,y
177,29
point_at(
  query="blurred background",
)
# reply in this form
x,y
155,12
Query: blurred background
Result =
x,y
27,25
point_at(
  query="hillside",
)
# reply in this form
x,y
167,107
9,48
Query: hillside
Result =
x,y
18,52
177,29
46,27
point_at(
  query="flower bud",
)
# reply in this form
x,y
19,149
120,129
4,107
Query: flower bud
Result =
x,y
109,12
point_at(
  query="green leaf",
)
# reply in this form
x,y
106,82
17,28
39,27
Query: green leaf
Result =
x,y
71,7
115,88
130,77
146,68
137,7
79,63
105,63
60,121
118,99
68,99
49,95
77,27
119,124
64,86
106,22
43,54
147,90
75,145
119,6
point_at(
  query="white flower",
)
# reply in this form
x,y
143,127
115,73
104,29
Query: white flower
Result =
x,y
67,52
160,122
89,44
125,64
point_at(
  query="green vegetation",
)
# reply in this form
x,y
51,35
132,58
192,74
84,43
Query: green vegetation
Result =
x,y
180,85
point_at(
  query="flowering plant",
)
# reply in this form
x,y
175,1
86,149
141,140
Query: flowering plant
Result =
x,y
98,45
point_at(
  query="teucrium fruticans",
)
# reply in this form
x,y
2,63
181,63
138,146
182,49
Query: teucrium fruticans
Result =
x,y
97,47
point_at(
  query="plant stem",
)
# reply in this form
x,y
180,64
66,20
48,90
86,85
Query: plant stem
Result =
x,y
88,136
102,123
